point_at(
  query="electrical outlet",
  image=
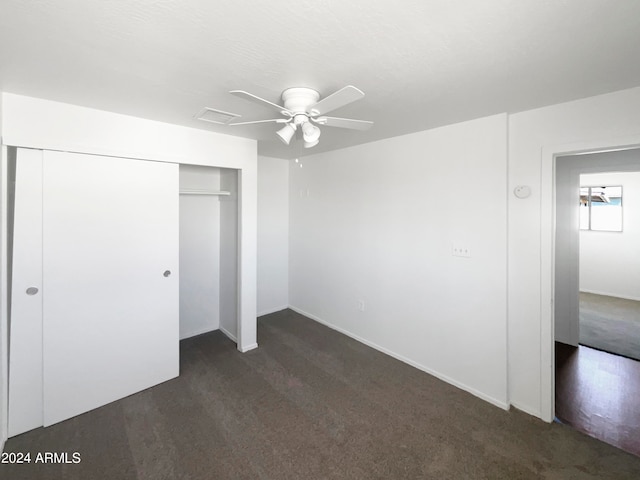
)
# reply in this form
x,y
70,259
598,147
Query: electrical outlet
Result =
x,y
361,305
460,250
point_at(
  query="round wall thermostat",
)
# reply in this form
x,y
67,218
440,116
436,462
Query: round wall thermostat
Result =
x,y
522,191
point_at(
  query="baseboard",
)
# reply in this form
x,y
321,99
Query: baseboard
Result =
x,y
444,378
207,330
615,295
229,334
253,346
527,410
273,310
198,332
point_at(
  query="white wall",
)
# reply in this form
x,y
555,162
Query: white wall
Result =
x,y
535,138
376,223
610,261
273,234
566,299
37,123
199,251
229,253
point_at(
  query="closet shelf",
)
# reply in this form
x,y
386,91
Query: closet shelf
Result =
x,y
204,192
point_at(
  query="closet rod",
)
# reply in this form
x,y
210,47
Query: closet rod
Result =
x,y
204,192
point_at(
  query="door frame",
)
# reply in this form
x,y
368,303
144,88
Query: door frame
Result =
x,y
549,157
4,295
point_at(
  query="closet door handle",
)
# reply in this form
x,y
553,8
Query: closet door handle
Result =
x,y
32,290
167,273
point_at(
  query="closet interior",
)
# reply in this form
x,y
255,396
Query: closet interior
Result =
x,y
208,250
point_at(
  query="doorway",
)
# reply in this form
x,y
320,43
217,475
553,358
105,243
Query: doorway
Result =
x,y
609,281
596,391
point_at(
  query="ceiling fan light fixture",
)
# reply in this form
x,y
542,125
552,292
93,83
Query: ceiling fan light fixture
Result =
x,y
286,133
303,108
311,133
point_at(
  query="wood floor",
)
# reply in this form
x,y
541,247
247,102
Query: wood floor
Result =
x,y
598,393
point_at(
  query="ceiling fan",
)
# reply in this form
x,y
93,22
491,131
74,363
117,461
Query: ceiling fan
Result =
x,y
304,110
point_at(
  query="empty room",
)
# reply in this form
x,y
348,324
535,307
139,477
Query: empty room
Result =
x,y
318,239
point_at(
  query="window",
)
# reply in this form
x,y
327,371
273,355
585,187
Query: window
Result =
x,y
601,208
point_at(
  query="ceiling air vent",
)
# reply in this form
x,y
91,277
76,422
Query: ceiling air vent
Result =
x,y
216,116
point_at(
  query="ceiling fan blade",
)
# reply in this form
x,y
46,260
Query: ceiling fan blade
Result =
x,y
344,123
251,122
338,99
266,103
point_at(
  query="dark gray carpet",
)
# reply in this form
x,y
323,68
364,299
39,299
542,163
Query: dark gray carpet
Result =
x,y
311,403
610,324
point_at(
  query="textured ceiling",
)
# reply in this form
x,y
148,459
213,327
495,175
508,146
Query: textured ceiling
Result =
x,y
421,63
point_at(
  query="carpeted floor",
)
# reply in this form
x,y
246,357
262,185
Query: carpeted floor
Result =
x,y
310,403
610,324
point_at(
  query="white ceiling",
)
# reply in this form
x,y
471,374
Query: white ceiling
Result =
x,y
421,63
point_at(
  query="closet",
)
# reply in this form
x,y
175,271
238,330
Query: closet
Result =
x,y
98,296
208,250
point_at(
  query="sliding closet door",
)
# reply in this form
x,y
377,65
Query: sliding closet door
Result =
x,y
25,341
110,270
